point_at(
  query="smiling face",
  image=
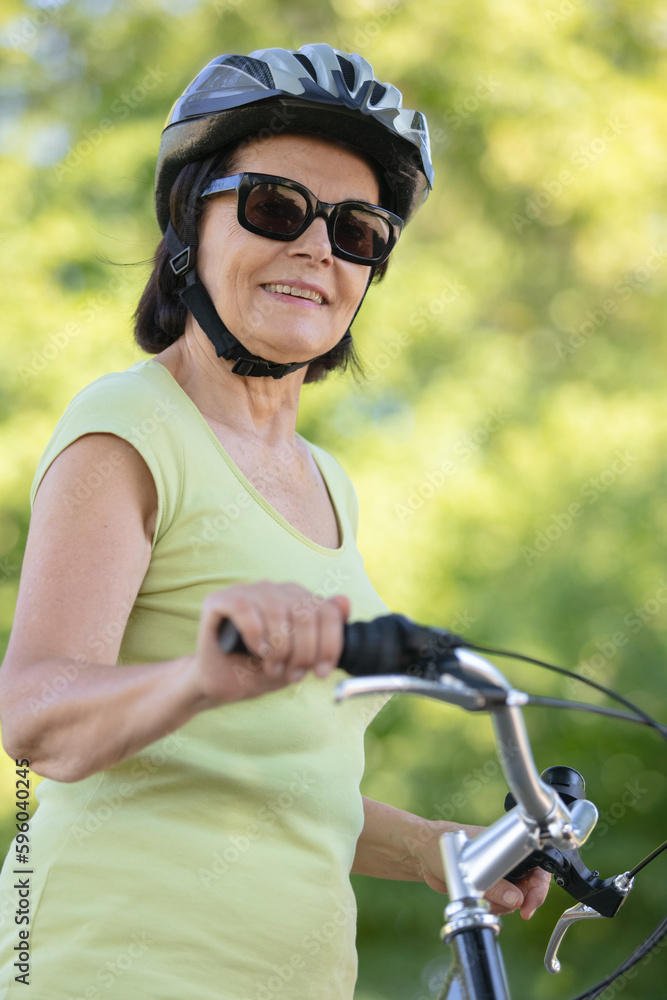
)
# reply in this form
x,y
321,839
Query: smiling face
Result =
x,y
286,301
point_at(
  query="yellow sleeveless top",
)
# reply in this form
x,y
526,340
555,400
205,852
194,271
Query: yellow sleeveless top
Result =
x,y
215,862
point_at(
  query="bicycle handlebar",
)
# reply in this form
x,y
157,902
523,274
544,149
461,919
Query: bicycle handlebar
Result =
x,y
393,644
393,654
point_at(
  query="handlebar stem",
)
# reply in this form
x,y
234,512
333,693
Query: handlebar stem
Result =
x,y
537,799
472,866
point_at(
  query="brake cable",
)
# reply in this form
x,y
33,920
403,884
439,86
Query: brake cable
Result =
x,y
647,719
360,635
637,715
640,952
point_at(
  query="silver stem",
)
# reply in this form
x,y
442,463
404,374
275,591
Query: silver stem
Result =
x,y
537,799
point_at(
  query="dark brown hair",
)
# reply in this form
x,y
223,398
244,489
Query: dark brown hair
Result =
x,y
159,319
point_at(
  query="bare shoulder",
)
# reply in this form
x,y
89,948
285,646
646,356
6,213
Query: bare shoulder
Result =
x,y
88,549
94,472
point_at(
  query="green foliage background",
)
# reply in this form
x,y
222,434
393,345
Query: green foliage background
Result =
x,y
508,446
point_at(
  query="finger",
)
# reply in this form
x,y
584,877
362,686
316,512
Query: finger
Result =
x,y
303,642
535,892
330,635
343,602
236,607
278,635
435,883
504,897
288,609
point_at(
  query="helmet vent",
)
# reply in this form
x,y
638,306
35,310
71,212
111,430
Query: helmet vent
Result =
x,y
329,93
306,63
347,70
379,90
254,67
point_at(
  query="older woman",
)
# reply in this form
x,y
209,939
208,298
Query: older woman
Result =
x,y
200,815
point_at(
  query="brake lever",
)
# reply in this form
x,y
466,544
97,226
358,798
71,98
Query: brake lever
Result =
x,y
615,891
596,897
578,912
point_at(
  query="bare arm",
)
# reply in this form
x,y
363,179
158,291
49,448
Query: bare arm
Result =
x,y
64,703
399,845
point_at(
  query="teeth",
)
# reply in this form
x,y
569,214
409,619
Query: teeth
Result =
x,y
299,293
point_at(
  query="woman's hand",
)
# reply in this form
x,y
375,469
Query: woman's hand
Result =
x,y
505,897
289,630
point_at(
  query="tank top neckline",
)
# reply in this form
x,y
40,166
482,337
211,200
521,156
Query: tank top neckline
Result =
x,y
154,365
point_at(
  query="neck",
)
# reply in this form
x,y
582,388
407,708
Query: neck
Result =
x,y
262,408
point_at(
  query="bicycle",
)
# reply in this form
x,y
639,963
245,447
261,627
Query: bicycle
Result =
x,y
547,817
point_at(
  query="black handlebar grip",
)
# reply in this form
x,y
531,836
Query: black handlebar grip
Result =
x,y
356,640
390,644
229,638
368,647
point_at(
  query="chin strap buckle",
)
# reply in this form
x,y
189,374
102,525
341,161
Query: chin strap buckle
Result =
x,y
249,366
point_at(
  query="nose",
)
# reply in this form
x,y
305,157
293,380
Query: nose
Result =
x,y
313,243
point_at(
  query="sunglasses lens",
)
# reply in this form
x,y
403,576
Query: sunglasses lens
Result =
x,y
275,208
361,233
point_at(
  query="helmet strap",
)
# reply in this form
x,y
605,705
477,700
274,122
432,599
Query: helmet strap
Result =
x,y
196,298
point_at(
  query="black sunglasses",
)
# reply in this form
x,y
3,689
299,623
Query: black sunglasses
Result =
x,y
281,209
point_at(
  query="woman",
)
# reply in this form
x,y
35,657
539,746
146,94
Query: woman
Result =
x,y
201,814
